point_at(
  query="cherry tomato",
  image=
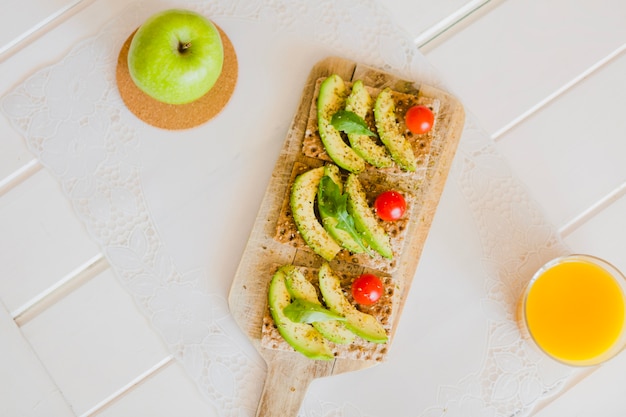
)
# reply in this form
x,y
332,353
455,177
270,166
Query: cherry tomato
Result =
x,y
419,119
367,289
390,205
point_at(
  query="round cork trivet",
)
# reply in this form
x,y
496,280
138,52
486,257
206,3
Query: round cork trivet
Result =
x,y
178,116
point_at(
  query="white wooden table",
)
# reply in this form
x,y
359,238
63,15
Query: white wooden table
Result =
x,y
544,78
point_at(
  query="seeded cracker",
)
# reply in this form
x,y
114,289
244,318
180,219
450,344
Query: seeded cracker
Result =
x,y
312,144
287,232
359,349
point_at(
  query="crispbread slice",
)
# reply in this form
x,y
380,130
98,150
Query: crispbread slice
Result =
x,y
313,147
360,349
374,184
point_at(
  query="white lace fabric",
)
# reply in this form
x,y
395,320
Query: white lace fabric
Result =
x,y
73,120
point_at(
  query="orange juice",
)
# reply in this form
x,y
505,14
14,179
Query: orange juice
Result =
x,y
574,310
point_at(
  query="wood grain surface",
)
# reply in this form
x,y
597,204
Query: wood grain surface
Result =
x,y
290,373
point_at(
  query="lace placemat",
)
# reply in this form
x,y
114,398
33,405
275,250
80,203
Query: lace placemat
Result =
x,y
75,123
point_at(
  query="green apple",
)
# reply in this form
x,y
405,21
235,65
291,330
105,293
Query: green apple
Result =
x,y
176,56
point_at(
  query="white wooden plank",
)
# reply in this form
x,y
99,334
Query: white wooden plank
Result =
x,y
94,342
523,50
601,393
60,289
42,241
423,19
167,393
571,153
26,389
16,162
604,235
26,17
59,38
31,56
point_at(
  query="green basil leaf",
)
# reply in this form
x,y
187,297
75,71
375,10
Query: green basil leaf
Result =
x,y
303,311
350,122
333,203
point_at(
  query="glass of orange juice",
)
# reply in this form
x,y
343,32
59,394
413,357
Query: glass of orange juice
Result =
x,y
574,310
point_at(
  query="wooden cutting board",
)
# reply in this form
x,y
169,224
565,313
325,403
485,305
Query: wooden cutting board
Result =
x,y
290,373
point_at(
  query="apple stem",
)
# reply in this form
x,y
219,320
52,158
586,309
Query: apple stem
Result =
x,y
183,46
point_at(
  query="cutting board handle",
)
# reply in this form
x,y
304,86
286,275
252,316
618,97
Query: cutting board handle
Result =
x,y
286,384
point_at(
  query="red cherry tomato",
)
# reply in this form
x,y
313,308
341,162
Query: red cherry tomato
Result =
x,y
419,119
390,205
367,289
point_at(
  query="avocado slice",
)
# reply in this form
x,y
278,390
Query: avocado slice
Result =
x,y
301,336
389,131
361,103
302,202
362,324
365,219
301,288
331,99
303,311
330,222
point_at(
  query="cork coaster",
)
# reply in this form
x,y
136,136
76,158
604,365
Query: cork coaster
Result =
x,y
178,116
